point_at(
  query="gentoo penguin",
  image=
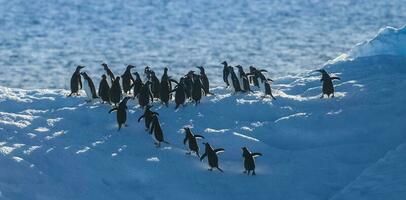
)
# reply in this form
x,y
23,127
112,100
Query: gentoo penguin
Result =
x,y
267,88
148,115
257,74
89,87
121,112
127,79
243,79
145,95
137,84
249,161
147,74
180,93
205,81
155,86
157,132
109,73
104,90
165,88
192,142
225,73
76,81
115,91
197,89
253,77
212,156
233,80
328,87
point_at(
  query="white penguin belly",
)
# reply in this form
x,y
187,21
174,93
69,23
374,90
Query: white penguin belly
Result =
x,y
240,81
230,81
88,90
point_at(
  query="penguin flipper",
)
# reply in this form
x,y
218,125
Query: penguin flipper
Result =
x,y
332,78
113,109
219,169
142,116
184,140
256,154
199,137
203,156
219,150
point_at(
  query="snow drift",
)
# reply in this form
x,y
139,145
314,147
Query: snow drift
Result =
x,y
53,147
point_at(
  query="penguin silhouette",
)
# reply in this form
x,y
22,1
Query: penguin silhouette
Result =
x,y
155,85
157,132
76,81
89,88
104,90
328,87
137,84
249,161
165,88
192,141
188,84
148,115
127,79
233,80
205,81
197,89
267,89
180,93
225,73
257,74
109,73
145,95
115,91
243,79
212,156
121,112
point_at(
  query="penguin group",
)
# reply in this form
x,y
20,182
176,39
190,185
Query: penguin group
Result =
x,y
192,87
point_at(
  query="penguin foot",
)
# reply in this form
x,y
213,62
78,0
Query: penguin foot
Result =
x,y
188,153
244,172
210,169
125,125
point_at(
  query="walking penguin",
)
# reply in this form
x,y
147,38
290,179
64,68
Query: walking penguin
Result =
x,y
148,115
157,132
212,156
76,81
192,142
104,90
328,87
121,112
249,161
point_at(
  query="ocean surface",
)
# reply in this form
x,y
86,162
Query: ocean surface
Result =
x,y
41,42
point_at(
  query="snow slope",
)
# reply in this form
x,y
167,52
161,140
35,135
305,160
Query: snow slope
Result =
x,y
348,147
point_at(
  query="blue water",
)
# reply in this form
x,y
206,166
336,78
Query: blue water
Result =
x,y
42,41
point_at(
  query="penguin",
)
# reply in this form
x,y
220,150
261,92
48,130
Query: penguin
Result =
x,y
267,89
225,73
212,156
89,88
147,74
205,81
137,84
76,81
148,115
192,142
188,82
253,77
127,79
249,161
156,131
257,74
104,90
197,89
180,93
109,73
145,95
165,88
243,79
155,85
328,87
233,80
121,112
115,91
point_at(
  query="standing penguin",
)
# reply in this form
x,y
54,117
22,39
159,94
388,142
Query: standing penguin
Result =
x,y
205,81
225,73
76,81
89,88
180,93
115,91
155,86
192,141
121,112
188,82
137,84
253,77
165,88
109,73
233,80
212,156
243,79
249,161
145,95
147,74
328,87
157,132
148,115
127,79
257,74
104,90
267,88
197,89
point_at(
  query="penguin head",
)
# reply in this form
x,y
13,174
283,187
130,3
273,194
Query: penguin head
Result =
x,y
136,74
146,69
104,76
238,67
129,67
104,65
230,68
117,78
79,67
165,69
269,80
322,71
201,69
84,74
245,151
224,63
